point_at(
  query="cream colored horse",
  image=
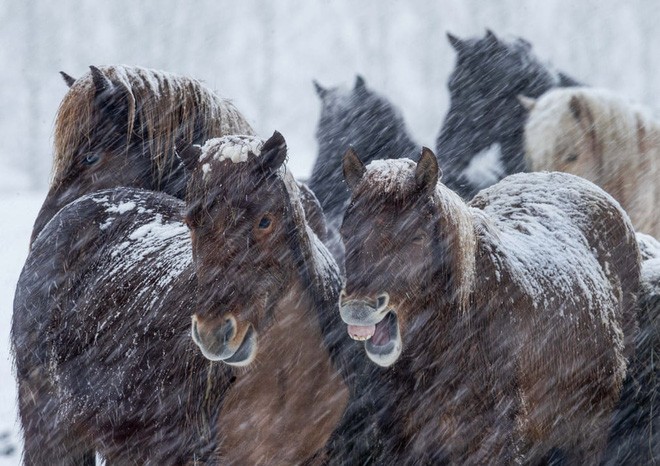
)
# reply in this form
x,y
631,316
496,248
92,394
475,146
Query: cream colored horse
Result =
x,y
598,135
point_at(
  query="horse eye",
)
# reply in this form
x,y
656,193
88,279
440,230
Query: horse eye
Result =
x,y
92,158
419,238
572,157
265,222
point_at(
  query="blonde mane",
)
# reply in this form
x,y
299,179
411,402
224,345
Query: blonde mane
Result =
x,y
162,108
598,135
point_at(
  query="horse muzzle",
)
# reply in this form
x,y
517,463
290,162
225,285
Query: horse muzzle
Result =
x,y
375,323
227,341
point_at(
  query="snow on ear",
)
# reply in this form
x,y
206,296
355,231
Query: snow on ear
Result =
x,y
456,43
320,90
527,103
102,83
68,79
189,155
353,168
427,172
273,152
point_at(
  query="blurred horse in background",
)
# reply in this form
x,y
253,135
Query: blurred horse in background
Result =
x,y
481,139
599,136
113,282
507,323
359,118
118,126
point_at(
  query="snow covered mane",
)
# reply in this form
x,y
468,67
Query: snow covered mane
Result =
x,y
599,136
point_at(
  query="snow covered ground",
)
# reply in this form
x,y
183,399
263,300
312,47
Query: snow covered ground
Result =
x,y
18,210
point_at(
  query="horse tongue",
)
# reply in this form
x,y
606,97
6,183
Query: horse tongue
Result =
x,y
381,333
359,332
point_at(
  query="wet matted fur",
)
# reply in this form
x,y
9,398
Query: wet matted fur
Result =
x,y
514,315
599,136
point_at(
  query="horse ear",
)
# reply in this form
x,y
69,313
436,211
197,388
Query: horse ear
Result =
x,y
456,43
273,152
576,107
427,172
491,38
528,103
110,98
320,90
101,82
360,83
68,79
353,168
189,155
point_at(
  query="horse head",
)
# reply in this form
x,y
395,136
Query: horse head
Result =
x,y
399,237
360,118
118,126
239,215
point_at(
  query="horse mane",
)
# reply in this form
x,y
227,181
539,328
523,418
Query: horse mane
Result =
x,y
163,108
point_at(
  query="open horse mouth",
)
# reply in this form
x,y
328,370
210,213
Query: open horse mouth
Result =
x,y
382,338
219,349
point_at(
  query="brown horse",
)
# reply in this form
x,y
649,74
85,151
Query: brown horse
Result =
x,y
118,126
507,323
111,286
598,135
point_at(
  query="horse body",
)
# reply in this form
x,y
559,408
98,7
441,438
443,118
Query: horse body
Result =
x,y
361,119
597,135
506,324
118,126
106,298
480,141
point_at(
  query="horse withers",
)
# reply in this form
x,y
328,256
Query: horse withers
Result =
x,y
506,323
113,282
118,126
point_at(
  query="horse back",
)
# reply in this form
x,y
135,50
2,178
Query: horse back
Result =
x,y
564,262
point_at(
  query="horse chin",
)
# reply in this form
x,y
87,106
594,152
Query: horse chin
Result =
x,y
246,352
384,347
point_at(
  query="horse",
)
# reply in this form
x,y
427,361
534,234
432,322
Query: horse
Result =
x,y
635,436
106,298
480,141
118,125
507,322
599,136
365,120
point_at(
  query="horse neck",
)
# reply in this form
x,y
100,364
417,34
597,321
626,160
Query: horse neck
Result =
x,y
291,381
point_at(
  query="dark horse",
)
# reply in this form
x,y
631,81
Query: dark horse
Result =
x,y
506,323
118,126
368,122
111,285
481,139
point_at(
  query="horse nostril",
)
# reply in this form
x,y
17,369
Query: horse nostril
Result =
x,y
227,331
382,301
342,297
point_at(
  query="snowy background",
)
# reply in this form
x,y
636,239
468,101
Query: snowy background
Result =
x,y
264,54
